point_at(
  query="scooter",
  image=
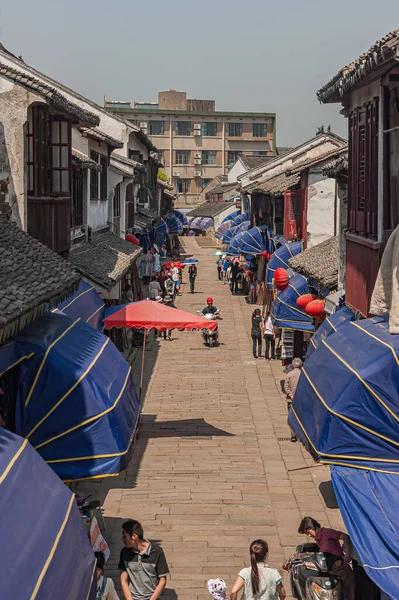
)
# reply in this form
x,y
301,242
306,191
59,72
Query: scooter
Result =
x,y
210,336
310,574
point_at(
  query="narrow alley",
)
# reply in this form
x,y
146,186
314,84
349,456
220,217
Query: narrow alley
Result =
x,y
213,467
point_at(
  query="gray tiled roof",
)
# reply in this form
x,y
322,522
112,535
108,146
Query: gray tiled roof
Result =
x,y
50,94
336,167
315,160
31,276
319,263
226,187
380,52
97,134
276,185
209,209
251,162
105,259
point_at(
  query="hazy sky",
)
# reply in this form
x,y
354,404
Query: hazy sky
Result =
x,y
250,55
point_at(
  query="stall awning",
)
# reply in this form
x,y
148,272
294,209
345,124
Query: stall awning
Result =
x,y
346,406
45,546
240,218
330,325
231,233
368,504
175,226
285,313
231,216
75,398
280,259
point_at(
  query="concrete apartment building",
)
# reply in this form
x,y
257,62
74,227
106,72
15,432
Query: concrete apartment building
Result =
x,y
195,142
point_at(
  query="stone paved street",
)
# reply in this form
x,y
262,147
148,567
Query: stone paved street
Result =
x,y
210,471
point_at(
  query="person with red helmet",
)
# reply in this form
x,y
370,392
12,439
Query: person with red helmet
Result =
x,y
209,308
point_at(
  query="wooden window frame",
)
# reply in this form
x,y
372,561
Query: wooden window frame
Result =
x,y
188,128
363,169
94,177
116,204
183,157
103,161
77,213
209,124
206,154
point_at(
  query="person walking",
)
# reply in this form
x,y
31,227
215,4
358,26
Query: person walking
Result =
x,y
154,288
169,286
192,274
176,278
143,566
290,385
219,264
235,269
226,266
260,582
270,337
256,333
168,301
105,585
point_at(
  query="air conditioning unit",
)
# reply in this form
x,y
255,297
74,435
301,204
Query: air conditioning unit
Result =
x,y
197,132
197,173
176,173
197,161
197,154
197,125
143,125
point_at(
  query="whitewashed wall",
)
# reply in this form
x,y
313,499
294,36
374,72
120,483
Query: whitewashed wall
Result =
x,y
320,211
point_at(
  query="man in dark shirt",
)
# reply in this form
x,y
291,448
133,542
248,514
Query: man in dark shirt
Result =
x,y
144,569
235,269
192,274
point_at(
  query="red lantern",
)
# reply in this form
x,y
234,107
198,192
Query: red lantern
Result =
x,y
265,254
281,278
132,238
304,300
315,309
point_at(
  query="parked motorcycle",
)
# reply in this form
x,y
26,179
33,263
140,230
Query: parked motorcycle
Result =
x,y
210,336
310,574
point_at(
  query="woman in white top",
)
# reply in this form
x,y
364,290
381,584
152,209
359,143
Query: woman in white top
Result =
x,y
105,585
270,337
260,582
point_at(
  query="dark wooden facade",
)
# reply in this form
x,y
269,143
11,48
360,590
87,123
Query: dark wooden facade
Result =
x,y
362,262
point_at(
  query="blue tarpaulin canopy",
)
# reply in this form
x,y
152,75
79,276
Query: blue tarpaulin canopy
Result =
x,y
230,233
174,224
235,244
72,395
330,325
222,229
232,216
285,313
346,412
280,259
368,503
46,551
240,218
160,233
181,216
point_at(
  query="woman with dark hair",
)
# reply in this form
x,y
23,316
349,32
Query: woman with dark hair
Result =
x,y
256,333
105,585
259,580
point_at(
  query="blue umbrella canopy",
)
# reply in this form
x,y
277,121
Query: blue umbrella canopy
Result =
x,y
240,219
223,228
330,325
174,224
202,223
231,216
41,529
235,244
254,241
73,397
230,233
181,216
285,313
280,259
160,233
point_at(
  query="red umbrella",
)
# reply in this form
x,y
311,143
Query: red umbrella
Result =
x,y
148,314
132,238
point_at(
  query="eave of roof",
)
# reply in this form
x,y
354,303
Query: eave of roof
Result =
x,y
98,135
276,185
209,209
84,161
126,164
50,94
381,52
319,263
336,152
165,184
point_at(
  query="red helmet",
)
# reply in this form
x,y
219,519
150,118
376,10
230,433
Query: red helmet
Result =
x,y
209,300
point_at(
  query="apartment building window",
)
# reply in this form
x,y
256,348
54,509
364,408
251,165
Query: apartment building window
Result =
x,y
99,181
259,153
183,127
209,129
183,157
156,127
235,129
204,183
232,157
182,185
259,130
209,157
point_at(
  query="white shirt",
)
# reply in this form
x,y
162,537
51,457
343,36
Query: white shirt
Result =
x,y
268,326
109,592
175,274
